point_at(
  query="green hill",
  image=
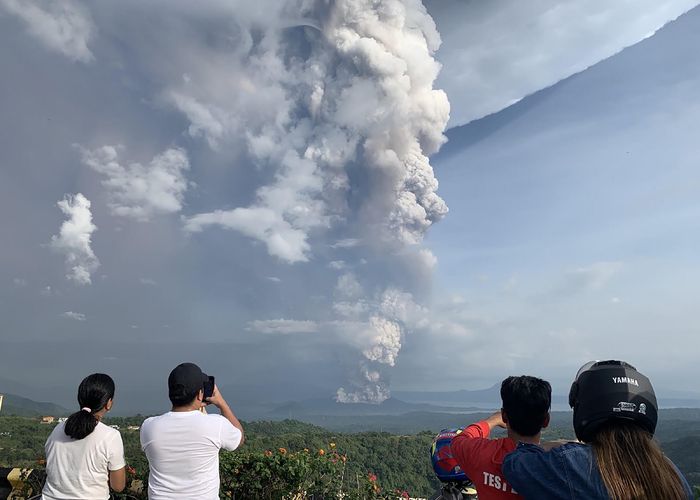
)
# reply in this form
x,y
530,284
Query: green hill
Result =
x,y
25,407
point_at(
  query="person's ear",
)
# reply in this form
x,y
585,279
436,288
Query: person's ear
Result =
x,y
504,416
545,424
109,404
200,396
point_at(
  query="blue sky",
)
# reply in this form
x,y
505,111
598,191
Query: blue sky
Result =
x,y
260,199
576,215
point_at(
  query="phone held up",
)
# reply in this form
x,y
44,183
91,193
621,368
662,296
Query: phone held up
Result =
x,y
208,388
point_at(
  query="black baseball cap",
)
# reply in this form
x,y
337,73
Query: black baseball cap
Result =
x,y
184,382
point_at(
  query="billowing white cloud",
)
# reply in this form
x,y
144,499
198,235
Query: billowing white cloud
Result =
x,y
384,341
74,239
361,97
371,388
496,53
283,326
74,315
63,26
262,223
141,191
375,325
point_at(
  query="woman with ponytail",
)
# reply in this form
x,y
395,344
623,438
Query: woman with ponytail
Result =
x,y
84,457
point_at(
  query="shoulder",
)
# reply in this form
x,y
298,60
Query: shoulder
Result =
x,y
107,431
154,420
215,420
57,432
572,450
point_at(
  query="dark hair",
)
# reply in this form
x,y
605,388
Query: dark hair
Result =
x,y
526,402
94,392
183,398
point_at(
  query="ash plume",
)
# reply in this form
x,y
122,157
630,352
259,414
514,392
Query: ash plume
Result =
x,y
340,113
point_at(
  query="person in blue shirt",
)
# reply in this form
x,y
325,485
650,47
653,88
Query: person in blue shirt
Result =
x,y
615,416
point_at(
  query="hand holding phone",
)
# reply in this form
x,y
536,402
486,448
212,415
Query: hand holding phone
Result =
x,y
209,385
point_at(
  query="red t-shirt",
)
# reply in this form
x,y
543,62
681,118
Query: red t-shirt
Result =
x,y
480,458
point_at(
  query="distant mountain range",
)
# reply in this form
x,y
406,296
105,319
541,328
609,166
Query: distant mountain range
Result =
x,y
492,396
310,410
330,407
24,407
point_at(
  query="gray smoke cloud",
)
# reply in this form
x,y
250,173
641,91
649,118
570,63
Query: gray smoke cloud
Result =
x,y
331,108
341,114
359,103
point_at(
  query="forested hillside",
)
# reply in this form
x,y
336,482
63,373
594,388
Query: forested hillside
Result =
x,y
276,454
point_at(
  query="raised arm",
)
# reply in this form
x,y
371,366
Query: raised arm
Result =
x,y
218,400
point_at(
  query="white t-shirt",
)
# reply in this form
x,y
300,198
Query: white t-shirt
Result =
x,y
79,468
183,454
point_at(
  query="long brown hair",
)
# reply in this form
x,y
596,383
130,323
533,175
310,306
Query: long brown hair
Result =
x,y
632,465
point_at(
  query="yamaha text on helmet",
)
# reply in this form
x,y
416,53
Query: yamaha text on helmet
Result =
x,y
611,390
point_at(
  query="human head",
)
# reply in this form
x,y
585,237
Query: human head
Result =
x,y
185,384
95,394
615,412
612,390
526,403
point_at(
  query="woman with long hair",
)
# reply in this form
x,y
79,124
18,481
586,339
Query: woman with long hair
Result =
x,y
84,457
615,415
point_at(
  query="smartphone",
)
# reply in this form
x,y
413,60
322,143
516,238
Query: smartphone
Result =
x,y
208,387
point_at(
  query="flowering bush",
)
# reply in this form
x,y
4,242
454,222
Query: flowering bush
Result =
x,y
280,474
293,476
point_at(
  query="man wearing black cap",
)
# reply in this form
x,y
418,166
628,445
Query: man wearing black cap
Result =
x,y
182,446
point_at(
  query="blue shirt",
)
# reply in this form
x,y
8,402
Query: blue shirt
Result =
x,y
566,472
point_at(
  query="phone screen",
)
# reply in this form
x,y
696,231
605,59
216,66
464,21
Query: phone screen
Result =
x,y
209,387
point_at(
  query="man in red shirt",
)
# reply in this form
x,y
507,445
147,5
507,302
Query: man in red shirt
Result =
x,y
525,412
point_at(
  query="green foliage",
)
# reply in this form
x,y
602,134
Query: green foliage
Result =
x,y
288,475
399,462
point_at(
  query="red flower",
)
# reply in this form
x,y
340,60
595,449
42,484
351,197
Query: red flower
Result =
x,y
130,470
372,478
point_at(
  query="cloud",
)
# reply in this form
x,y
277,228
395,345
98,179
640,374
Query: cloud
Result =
x,y
74,239
358,97
19,282
147,281
139,191
346,243
384,341
496,53
74,315
280,237
375,325
589,278
62,26
283,326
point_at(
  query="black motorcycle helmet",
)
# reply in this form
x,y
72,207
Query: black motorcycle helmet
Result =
x,y
611,390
